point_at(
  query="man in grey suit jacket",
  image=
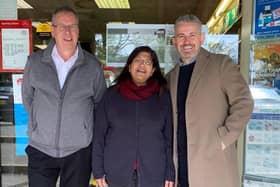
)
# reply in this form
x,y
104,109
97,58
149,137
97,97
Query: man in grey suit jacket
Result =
x,y
212,104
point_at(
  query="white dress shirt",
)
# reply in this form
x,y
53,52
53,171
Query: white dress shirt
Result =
x,y
63,67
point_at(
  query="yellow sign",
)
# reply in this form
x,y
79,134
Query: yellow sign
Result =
x,y
43,27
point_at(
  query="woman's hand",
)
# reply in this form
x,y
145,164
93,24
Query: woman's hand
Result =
x,y
169,184
101,182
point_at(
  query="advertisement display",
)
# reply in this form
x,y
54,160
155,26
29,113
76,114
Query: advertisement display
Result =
x,y
15,44
20,115
265,67
267,18
263,145
262,140
123,38
223,44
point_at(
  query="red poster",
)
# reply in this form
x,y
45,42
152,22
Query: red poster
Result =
x,y
15,44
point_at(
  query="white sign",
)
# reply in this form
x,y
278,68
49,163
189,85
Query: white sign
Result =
x,y
17,82
15,48
8,9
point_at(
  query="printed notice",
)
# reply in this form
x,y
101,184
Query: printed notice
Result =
x,y
15,47
262,152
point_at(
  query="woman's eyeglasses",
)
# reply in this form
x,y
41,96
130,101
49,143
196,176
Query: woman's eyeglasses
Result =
x,y
146,62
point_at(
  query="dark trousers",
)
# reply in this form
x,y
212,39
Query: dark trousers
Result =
x,y
74,170
133,181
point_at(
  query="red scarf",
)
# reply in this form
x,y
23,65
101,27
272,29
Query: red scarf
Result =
x,y
131,91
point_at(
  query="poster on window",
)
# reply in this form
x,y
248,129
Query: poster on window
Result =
x,y
223,44
123,38
267,18
15,44
265,67
20,115
262,150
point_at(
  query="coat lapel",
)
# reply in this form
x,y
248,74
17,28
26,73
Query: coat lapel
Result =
x,y
173,87
200,66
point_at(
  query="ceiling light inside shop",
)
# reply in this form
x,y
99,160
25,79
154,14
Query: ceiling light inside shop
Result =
x,y
114,4
24,5
121,22
223,7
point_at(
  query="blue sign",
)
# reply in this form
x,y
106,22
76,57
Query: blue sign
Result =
x,y
21,120
267,18
20,115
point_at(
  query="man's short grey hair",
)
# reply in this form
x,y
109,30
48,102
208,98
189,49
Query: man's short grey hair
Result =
x,y
187,19
64,9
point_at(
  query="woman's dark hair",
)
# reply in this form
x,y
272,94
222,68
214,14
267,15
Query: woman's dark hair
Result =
x,y
157,75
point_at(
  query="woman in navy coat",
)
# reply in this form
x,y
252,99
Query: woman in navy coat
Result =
x,y
133,139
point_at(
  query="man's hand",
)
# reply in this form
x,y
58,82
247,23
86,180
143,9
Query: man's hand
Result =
x,y
169,184
223,146
101,182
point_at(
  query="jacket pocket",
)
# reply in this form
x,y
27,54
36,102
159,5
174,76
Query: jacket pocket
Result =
x,y
90,118
75,137
222,133
31,121
77,131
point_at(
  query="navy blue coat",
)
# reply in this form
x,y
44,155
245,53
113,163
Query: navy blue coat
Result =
x,y
129,130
